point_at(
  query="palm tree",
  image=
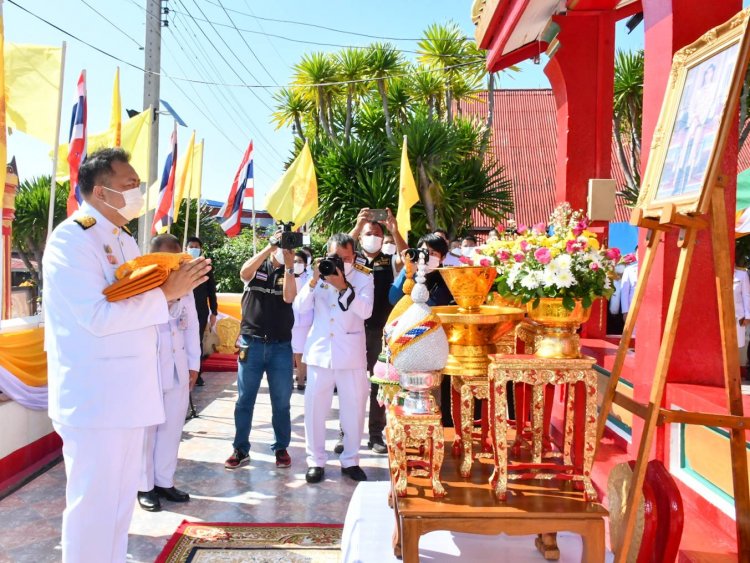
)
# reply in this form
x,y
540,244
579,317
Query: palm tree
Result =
x,y
291,105
384,60
444,47
353,66
316,71
427,88
627,115
30,225
399,99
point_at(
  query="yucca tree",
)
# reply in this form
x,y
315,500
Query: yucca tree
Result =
x,y
427,87
383,61
291,105
30,225
315,71
353,66
399,99
627,116
443,47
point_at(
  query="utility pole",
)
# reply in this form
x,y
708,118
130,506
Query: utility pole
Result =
x,y
157,13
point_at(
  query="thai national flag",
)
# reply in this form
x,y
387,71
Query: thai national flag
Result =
x,y
77,144
243,185
164,213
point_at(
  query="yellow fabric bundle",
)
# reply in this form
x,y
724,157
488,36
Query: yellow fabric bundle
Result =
x,y
143,274
22,354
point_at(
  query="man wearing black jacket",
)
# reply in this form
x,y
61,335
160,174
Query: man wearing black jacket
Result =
x,y
205,296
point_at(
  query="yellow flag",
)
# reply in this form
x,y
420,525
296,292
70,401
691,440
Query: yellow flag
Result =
x,y
184,164
295,196
136,133
32,87
196,173
115,120
407,194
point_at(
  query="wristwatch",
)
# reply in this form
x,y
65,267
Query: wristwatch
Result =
x,y
290,271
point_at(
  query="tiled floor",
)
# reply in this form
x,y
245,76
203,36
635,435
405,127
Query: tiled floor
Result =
x,y
30,518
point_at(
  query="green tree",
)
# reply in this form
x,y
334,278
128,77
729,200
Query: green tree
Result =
x,y
627,116
30,225
228,256
315,72
353,66
291,106
384,60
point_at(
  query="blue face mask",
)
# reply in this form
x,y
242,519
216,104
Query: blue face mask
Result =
x,y
194,252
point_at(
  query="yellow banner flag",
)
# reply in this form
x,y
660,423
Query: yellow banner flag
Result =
x,y
115,120
196,173
407,194
32,88
295,196
184,164
136,133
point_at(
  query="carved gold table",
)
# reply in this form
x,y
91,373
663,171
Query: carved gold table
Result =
x,y
420,432
538,373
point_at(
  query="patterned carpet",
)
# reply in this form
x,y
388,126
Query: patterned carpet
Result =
x,y
219,542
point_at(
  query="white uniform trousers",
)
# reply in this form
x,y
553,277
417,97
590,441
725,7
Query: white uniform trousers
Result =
x,y
353,389
102,466
162,442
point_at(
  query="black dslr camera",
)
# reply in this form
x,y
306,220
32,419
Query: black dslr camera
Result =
x,y
289,239
413,254
330,264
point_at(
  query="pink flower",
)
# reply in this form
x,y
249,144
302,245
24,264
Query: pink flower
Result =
x,y
500,229
518,257
539,228
464,260
612,254
594,266
522,229
524,244
503,255
485,262
629,258
572,246
543,255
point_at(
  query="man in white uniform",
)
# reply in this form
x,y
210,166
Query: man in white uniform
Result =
x,y
104,388
335,355
179,362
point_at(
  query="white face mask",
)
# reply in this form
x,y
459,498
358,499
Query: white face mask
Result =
x,y
468,251
133,203
299,268
279,255
194,252
372,243
389,248
348,267
433,263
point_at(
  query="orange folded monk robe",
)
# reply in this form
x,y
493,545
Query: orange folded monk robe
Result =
x,y
143,274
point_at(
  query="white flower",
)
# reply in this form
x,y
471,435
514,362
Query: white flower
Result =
x,y
562,261
531,281
565,279
513,274
549,277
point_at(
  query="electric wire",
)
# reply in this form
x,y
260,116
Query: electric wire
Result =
x,y
268,39
113,24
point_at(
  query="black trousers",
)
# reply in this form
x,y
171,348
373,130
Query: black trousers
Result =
x,y
374,343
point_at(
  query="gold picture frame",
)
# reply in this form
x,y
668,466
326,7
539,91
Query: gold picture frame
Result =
x,y
698,112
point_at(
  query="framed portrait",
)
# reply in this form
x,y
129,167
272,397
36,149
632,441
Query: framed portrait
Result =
x,y
699,111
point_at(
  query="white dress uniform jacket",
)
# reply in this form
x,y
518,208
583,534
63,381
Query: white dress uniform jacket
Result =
x,y
337,338
179,344
741,303
101,356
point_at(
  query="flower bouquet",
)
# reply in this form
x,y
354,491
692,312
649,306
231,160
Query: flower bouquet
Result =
x,y
562,260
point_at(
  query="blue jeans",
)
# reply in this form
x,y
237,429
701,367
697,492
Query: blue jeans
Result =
x,y
275,359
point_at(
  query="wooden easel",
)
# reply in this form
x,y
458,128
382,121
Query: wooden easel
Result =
x,y
653,414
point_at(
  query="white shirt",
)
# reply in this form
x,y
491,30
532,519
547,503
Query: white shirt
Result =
x,y
101,356
741,286
337,337
627,286
179,344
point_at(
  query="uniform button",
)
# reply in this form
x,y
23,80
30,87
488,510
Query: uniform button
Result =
x,y
331,319
331,334
114,231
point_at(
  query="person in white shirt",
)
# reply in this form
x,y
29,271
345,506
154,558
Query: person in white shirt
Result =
x,y
302,323
741,286
104,387
450,258
179,363
627,287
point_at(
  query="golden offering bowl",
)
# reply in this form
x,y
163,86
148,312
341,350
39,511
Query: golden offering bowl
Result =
x,y
469,285
557,327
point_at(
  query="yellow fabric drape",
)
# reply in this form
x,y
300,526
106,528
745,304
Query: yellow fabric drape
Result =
x,y
22,354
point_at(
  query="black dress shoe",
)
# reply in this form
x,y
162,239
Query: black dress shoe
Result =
x,y
314,474
377,445
354,472
149,501
199,382
172,493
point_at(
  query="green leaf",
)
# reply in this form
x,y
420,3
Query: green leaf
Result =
x,y
569,303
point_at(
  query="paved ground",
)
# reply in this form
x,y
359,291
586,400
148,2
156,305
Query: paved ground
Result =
x,y
30,518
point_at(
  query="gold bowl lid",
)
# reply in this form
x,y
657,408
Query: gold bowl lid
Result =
x,y
469,285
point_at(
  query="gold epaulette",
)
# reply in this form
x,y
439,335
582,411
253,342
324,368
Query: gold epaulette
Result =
x,y
363,269
85,221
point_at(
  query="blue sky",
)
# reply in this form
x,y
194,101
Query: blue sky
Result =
x,y
226,117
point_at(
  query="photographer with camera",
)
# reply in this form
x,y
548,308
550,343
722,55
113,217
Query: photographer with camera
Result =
x,y
266,345
340,294
371,235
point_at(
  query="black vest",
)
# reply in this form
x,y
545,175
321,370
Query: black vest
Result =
x,y
264,312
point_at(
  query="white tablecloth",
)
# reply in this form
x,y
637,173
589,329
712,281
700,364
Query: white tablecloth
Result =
x,y
369,526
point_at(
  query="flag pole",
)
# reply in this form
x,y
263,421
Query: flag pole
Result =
x,y
255,244
200,190
56,147
174,181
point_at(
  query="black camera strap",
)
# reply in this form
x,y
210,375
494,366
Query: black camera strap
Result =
x,y
349,298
